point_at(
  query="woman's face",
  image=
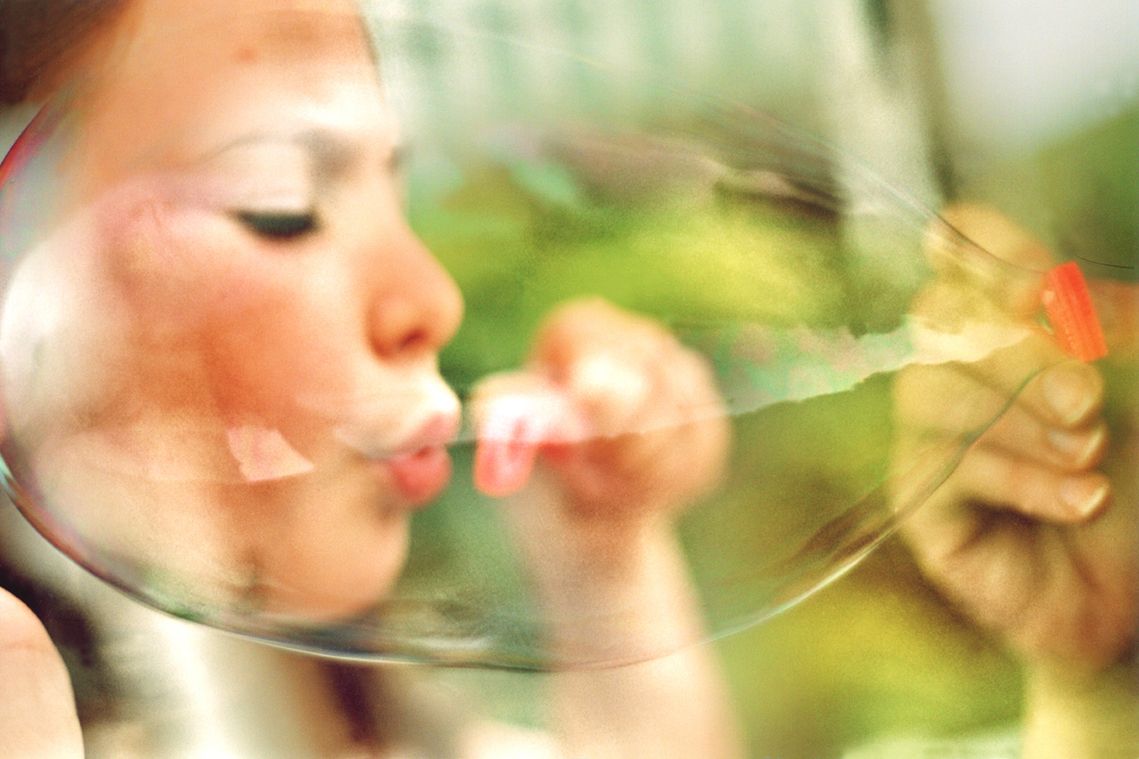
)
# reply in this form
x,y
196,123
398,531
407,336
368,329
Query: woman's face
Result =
x,y
243,349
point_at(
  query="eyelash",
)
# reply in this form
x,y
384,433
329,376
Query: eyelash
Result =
x,y
278,225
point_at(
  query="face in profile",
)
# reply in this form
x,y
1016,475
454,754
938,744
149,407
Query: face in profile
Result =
x,y
220,355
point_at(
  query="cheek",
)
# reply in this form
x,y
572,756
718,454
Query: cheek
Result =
x,y
257,327
176,270
269,359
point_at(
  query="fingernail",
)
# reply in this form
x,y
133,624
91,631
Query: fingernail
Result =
x,y
1070,392
1075,448
1084,495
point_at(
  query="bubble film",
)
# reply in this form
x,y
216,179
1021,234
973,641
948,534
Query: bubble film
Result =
x,y
303,355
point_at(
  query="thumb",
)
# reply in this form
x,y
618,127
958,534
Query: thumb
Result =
x,y
991,254
37,707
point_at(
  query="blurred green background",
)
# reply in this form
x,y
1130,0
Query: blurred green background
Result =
x,y
874,654
933,96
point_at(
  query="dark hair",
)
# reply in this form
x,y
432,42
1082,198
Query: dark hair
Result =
x,y
39,37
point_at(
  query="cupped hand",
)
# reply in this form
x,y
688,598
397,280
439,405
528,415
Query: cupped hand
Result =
x,y
1032,535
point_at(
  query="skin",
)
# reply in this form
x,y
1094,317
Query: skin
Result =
x,y
208,340
1033,536
268,389
41,721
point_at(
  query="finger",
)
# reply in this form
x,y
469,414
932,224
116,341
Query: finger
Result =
x,y
663,387
1013,359
969,409
951,305
606,360
592,326
37,709
987,494
525,407
612,391
950,323
701,437
998,234
627,474
515,415
979,246
1117,305
686,433
1059,392
689,387
1069,395
1021,436
945,399
628,409
995,480
1006,354
674,441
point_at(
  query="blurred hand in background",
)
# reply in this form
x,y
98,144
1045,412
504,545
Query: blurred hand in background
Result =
x,y
1034,534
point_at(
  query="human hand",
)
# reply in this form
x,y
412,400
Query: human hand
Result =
x,y
37,708
629,429
627,419
1032,535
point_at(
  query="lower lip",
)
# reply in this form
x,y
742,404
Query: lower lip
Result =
x,y
421,476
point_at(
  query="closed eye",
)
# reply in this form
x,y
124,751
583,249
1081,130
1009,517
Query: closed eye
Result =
x,y
278,225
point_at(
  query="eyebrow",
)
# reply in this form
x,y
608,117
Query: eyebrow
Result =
x,y
333,152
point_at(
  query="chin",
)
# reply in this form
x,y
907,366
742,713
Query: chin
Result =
x,y
337,580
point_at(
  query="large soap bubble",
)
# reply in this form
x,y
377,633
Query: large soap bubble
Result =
x,y
220,335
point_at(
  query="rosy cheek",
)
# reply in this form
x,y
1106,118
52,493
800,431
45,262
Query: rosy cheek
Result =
x,y
265,366
200,296
258,332
269,345
168,266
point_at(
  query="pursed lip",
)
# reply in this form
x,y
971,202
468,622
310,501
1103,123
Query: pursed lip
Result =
x,y
421,468
421,476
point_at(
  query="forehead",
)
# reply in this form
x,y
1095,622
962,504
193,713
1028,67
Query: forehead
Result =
x,y
179,76
248,32
206,44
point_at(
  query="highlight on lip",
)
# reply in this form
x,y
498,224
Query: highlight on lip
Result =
x,y
422,475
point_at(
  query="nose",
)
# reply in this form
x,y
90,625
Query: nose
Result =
x,y
419,307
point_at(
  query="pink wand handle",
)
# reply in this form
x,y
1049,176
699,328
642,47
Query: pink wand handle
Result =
x,y
514,429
